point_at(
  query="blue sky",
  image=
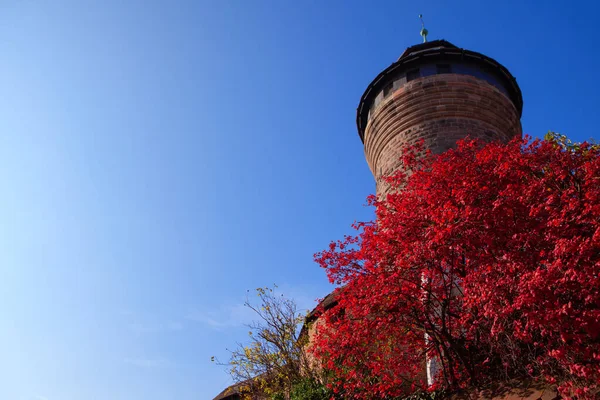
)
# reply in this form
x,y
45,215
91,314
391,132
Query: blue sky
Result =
x,y
160,158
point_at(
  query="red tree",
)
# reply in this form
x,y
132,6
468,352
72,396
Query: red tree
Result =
x,y
492,253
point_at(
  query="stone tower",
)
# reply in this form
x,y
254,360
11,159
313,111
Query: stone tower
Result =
x,y
438,93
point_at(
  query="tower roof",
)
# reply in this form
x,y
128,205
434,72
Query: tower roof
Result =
x,y
434,44
432,52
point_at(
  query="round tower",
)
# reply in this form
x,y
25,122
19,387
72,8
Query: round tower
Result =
x,y
439,93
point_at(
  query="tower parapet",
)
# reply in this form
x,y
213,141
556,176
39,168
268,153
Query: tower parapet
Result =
x,y
439,93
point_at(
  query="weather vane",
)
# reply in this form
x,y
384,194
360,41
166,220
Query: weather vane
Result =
x,y
424,31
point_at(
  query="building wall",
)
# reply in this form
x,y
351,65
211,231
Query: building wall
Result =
x,y
440,109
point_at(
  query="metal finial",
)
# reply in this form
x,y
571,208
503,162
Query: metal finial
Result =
x,y
424,31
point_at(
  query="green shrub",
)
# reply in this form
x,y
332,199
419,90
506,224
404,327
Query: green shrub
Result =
x,y
306,389
309,389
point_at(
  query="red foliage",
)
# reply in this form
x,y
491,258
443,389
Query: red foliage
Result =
x,y
493,252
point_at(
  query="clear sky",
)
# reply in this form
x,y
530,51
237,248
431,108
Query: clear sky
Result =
x,y
160,158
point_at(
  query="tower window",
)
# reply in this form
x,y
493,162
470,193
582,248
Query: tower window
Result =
x,y
388,89
444,69
411,75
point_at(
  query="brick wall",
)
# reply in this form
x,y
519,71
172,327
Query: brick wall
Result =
x,y
440,109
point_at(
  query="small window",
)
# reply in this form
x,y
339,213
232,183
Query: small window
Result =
x,y
443,69
411,75
388,89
